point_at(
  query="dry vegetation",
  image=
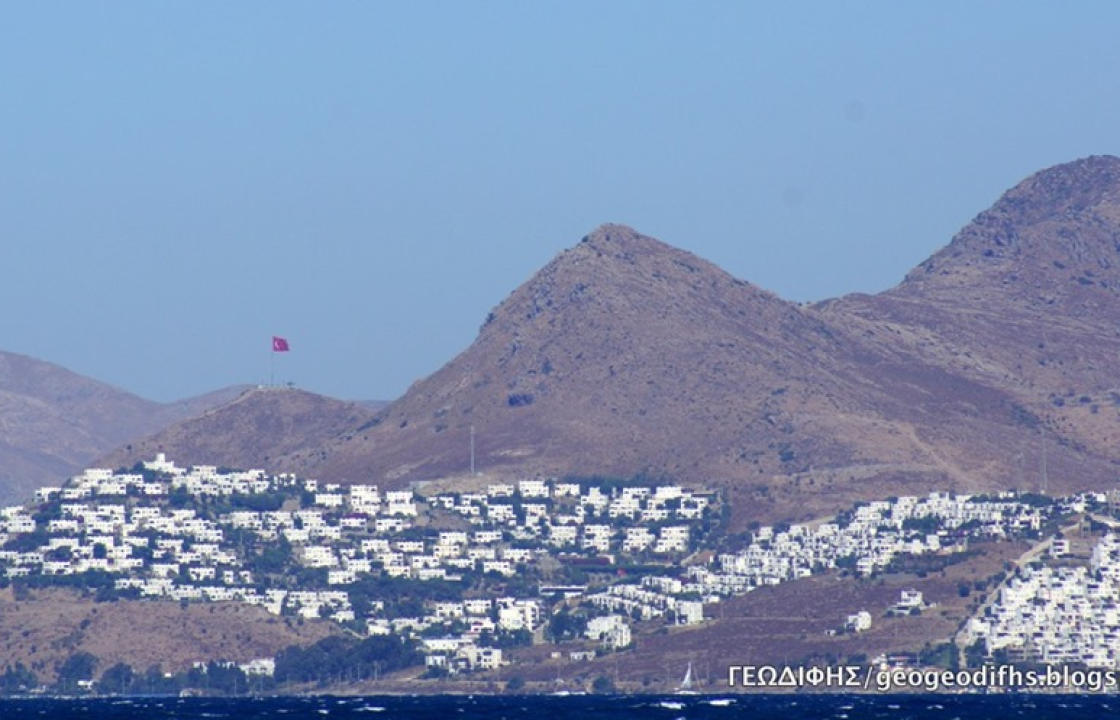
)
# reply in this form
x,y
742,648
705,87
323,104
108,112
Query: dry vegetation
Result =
x,y
263,428
45,627
54,422
625,355
789,624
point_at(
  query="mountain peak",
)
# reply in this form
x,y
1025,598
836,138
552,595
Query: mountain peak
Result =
x,y
615,271
619,255
607,229
1054,232
1070,187
616,236
612,241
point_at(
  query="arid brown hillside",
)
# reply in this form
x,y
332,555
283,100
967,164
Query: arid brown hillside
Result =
x,y
1026,298
610,358
625,355
991,365
53,421
255,430
49,625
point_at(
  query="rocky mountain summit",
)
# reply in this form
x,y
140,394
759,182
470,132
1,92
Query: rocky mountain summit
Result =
x,y
992,364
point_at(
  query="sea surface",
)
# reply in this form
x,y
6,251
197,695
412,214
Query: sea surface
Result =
x,y
576,707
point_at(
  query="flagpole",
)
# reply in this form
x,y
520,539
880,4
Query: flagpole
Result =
x,y
279,344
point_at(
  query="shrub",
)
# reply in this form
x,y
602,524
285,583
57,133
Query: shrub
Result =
x,y
79,666
602,684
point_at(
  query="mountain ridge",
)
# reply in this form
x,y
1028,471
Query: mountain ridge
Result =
x,y
227,434
626,355
54,421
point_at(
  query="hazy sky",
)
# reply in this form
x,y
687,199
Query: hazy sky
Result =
x,y
180,181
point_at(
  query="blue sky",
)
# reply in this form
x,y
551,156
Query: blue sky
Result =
x,y
180,181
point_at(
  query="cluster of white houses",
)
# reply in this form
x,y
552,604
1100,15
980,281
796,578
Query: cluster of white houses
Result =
x,y
477,617
571,516
1062,615
867,540
653,596
126,524
145,529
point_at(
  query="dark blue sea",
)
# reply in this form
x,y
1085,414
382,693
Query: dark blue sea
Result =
x,y
591,707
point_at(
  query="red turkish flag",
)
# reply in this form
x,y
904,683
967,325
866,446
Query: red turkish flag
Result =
x,y
279,344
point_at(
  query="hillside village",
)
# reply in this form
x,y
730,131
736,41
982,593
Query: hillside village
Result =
x,y
465,576
167,532
1066,614
870,537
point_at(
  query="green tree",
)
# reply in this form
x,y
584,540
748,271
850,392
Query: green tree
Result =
x,y
156,682
226,678
565,626
117,679
180,498
602,684
336,658
17,679
79,666
274,558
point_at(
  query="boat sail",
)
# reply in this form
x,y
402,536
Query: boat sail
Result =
x,y
686,684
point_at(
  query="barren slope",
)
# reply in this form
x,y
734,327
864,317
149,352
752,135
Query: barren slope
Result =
x,y
45,628
53,421
252,431
991,365
1026,298
626,355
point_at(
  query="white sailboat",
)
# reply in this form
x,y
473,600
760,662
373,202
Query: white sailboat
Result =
x,y
685,687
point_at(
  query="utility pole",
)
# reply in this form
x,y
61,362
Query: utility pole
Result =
x,y
472,449
1045,476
